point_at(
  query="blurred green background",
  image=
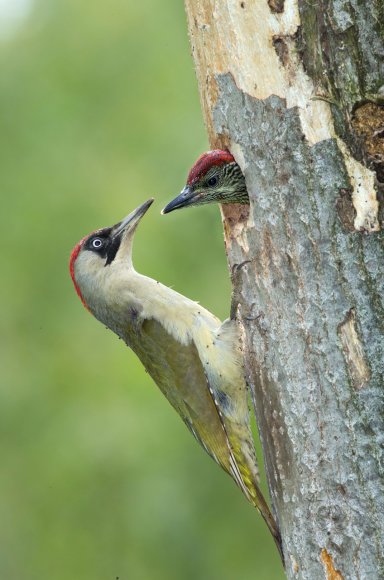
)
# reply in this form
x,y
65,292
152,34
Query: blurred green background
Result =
x,y
99,479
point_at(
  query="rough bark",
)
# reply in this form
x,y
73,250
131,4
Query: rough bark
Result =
x,y
295,90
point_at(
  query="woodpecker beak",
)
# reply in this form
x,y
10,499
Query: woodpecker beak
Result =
x,y
121,234
184,199
129,223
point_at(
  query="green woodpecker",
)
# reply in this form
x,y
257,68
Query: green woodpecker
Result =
x,y
214,178
194,359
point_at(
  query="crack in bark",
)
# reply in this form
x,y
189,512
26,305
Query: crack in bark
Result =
x,y
276,6
345,209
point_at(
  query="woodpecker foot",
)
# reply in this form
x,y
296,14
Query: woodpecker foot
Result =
x,y
250,315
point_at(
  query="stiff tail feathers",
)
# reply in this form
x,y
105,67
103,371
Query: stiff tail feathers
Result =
x,y
261,505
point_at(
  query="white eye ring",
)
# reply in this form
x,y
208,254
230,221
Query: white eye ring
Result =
x,y
97,243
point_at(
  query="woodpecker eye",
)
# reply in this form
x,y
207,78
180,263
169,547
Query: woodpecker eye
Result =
x,y
97,243
212,181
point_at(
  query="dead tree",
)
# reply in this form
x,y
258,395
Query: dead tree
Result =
x,y
295,89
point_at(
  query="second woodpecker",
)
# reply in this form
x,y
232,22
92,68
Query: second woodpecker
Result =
x,y
194,359
214,178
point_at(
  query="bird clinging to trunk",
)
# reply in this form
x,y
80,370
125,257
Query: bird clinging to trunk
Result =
x,y
214,178
194,359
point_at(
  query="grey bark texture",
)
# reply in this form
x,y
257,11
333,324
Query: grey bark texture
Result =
x,y
307,262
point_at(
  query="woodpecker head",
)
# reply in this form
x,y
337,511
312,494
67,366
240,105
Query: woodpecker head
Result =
x,y
214,178
99,258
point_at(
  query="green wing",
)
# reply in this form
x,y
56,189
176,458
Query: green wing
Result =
x,y
178,372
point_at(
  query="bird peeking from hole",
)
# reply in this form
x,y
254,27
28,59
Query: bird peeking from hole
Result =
x,y
214,178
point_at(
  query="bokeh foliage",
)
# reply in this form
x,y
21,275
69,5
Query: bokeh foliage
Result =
x,y
99,477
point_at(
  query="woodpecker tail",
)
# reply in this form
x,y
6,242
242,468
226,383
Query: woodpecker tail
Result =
x,y
261,505
244,470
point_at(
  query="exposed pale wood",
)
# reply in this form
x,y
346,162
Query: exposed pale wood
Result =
x,y
279,84
358,369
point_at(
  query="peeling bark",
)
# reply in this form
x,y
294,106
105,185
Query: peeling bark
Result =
x,y
331,573
354,355
278,92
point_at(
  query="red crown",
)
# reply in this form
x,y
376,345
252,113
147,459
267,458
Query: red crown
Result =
x,y
74,254
208,160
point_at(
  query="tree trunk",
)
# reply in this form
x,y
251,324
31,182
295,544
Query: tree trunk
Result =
x,y
295,90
